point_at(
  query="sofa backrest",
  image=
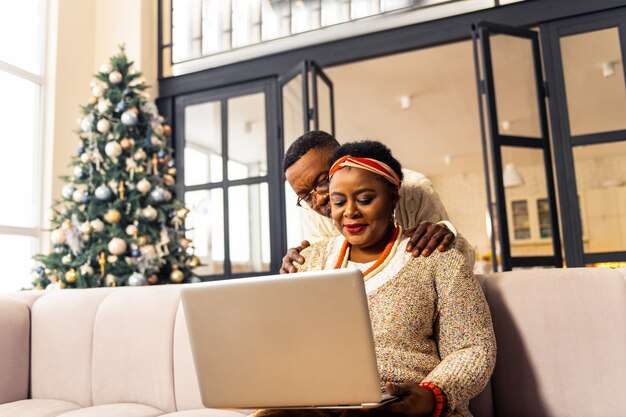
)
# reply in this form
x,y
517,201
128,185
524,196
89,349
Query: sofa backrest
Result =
x,y
561,337
100,346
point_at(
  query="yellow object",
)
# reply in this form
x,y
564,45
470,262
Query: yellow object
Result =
x,y
112,216
177,276
70,276
102,261
121,190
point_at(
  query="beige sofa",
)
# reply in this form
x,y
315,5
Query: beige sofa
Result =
x,y
124,352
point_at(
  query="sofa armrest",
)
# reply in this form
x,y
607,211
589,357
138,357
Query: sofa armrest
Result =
x,y
14,349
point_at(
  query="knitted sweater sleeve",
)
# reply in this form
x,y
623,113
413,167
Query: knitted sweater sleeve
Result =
x,y
464,332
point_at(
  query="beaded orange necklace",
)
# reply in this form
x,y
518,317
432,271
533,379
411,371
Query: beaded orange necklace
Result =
x,y
381,262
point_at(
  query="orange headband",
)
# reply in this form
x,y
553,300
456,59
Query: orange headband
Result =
x,y
367,164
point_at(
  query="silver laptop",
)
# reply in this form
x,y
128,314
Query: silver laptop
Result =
x,y
284,341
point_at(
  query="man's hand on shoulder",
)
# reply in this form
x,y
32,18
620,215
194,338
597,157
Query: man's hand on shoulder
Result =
x,y
427,237
293,255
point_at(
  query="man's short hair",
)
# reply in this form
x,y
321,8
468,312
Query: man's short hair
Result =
x,y
315,139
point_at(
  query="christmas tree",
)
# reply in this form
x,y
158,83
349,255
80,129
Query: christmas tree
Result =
x,y
118,223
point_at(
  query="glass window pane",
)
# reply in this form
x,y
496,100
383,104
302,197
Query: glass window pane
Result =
x,y
20,32
594,82
215,23
205,227
276,18
246,22
323,106
388,5
248,227
15,257
526,194
247,147
601,185
305,15
515,86
186,21
363,8
203,143
335,11
293,114
20,121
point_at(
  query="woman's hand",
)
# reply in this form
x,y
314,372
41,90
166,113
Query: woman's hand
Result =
x,y
293,255
427,237
413,401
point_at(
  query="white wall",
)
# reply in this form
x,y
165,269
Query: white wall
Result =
x,y
82,35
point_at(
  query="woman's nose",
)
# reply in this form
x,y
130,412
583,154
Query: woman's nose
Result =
x,y
350,211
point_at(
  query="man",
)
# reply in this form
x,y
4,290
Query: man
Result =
x,y
419,212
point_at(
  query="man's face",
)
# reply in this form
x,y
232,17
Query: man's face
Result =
x,y
306,173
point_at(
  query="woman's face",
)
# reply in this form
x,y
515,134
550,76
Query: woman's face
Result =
x,y
362,207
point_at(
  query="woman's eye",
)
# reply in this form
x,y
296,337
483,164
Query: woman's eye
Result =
x,y
338,202
364,200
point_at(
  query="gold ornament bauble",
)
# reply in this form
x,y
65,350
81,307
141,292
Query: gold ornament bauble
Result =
x,y
177,276
53,277
110,280
113,216
126,143
134,110
171,171
150,213
193,262
184,243
143,240
70,276
153,279
93,100
167,130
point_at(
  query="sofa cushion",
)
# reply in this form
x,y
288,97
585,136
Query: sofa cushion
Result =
x,y
14,349
186,386
62,344
36,408
133,347
561,335
115,410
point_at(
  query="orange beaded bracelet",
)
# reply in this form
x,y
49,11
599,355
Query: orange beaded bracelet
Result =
x,y
440,398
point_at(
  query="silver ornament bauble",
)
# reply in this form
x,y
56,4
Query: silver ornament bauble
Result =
x,y
97,225
158,195
168,195
85,124
149,213
111,259
67,259
67,191
143,186
78,196
117,246
113,149
115,77
78,171
97,91
103,126
129,118
85,157
131,229
105,68
103,105
103,193
136,279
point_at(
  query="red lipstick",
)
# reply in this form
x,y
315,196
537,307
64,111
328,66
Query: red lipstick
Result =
x,y
354,228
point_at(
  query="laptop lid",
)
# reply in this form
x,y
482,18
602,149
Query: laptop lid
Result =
x,y
295,340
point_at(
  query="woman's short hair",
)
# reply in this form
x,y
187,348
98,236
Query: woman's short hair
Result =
x,y
368,149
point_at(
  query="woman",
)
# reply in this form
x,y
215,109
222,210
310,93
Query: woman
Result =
x,y
434,338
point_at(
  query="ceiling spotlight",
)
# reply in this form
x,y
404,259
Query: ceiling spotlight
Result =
x,y
608,69
405,102
447,160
